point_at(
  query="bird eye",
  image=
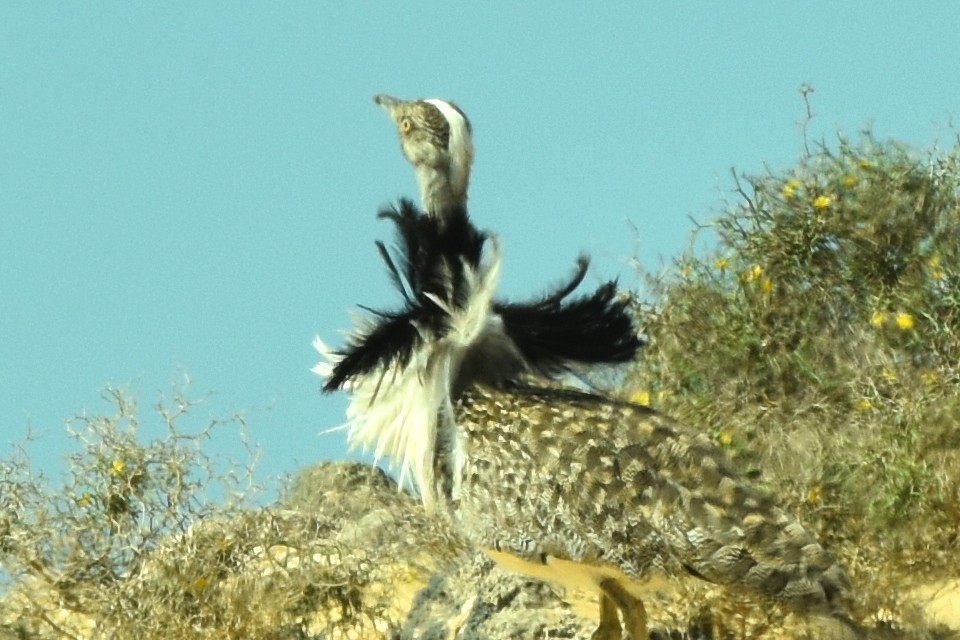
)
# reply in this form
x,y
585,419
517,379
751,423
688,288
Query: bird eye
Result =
x,y
406,125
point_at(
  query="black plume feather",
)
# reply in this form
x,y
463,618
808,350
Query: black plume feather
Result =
x,y
431,258
432,254
554,331
393,339
435,250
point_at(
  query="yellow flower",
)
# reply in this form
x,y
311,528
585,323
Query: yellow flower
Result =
x,y
929,377
850,181
889,375
878,319
84,500
686,271
814,494
904,321
721,263
766,285
641,397
822,202
755,272
790,188
725,437
864,404
934,263
117,467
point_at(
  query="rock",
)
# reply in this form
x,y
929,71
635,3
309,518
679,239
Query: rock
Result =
x,y
33,609
474,599
940,602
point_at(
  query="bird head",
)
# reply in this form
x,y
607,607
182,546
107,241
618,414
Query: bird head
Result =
x,y
437,139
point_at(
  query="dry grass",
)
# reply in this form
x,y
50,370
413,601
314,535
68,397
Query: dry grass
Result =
x,y
155,540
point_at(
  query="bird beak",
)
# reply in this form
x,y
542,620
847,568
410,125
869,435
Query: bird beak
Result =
x,y
389,104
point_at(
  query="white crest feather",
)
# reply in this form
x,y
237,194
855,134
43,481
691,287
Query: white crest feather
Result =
x,y
460,145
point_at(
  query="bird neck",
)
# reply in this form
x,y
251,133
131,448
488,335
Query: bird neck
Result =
x,y
436,191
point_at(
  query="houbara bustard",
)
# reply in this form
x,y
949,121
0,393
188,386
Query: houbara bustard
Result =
x,y
436,138
572,487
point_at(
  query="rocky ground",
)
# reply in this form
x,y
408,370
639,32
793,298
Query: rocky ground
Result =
x,y
347,555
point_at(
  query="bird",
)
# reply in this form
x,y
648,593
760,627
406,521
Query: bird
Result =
x,y
465,393
565,485
436,137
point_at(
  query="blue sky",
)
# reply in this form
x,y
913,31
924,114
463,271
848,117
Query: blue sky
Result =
x,y
191,188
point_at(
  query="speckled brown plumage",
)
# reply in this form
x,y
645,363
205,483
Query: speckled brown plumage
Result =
x,y
559,474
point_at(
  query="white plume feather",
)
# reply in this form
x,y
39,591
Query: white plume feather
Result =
x,y
396,409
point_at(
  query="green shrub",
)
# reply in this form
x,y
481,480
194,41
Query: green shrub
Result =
x,y
819,338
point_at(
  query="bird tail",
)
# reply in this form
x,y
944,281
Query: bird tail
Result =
x,y
753,544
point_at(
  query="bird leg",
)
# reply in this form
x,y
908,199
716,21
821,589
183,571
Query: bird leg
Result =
x,y
609,628
614,596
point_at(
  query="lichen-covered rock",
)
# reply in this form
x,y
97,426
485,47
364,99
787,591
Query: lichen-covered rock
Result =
x,y
474,599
